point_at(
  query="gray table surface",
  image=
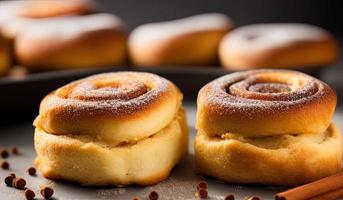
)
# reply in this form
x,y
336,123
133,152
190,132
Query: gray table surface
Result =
x,y
180,185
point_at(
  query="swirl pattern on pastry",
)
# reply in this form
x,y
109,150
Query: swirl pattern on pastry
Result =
x,y
120,107
265,103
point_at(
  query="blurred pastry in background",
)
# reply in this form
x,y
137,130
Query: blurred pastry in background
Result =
x,y
5,59
189,41
72,42
44,8
283,45
50,8
15,14
17,72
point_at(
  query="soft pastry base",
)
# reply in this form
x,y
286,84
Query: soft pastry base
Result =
x,y
286,160
84,160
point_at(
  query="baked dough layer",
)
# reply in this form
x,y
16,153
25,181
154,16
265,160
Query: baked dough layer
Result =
x,y
83,159
287,160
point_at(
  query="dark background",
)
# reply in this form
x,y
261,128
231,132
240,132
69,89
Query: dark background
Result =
x,y
327,14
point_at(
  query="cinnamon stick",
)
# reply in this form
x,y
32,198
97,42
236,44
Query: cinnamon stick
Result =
x,y
335,194
315,189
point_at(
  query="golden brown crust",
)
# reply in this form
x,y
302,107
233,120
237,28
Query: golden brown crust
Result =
x,y
117,107
277,46
189,41
86,160
116,128
236,103
287,160
268,127
59,44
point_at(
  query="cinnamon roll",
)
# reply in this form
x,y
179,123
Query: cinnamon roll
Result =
x,y
111,129
189,41
73,42
268,127
283,45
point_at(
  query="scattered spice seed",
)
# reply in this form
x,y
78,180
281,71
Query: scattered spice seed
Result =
x,y
29,194
202,193
4,153
15,150
19,183
202,185
229,197
5,165
254,198
153,195
9,180
31,171
135,198
46,192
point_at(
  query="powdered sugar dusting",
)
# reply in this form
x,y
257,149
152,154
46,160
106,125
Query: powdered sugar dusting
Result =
x,y
233,93
112,98
268,36
166,30
64,26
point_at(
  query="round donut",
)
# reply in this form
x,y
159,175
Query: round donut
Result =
x,y
265,126
71,42
111,129
261,103
189,41
277,46
284,160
